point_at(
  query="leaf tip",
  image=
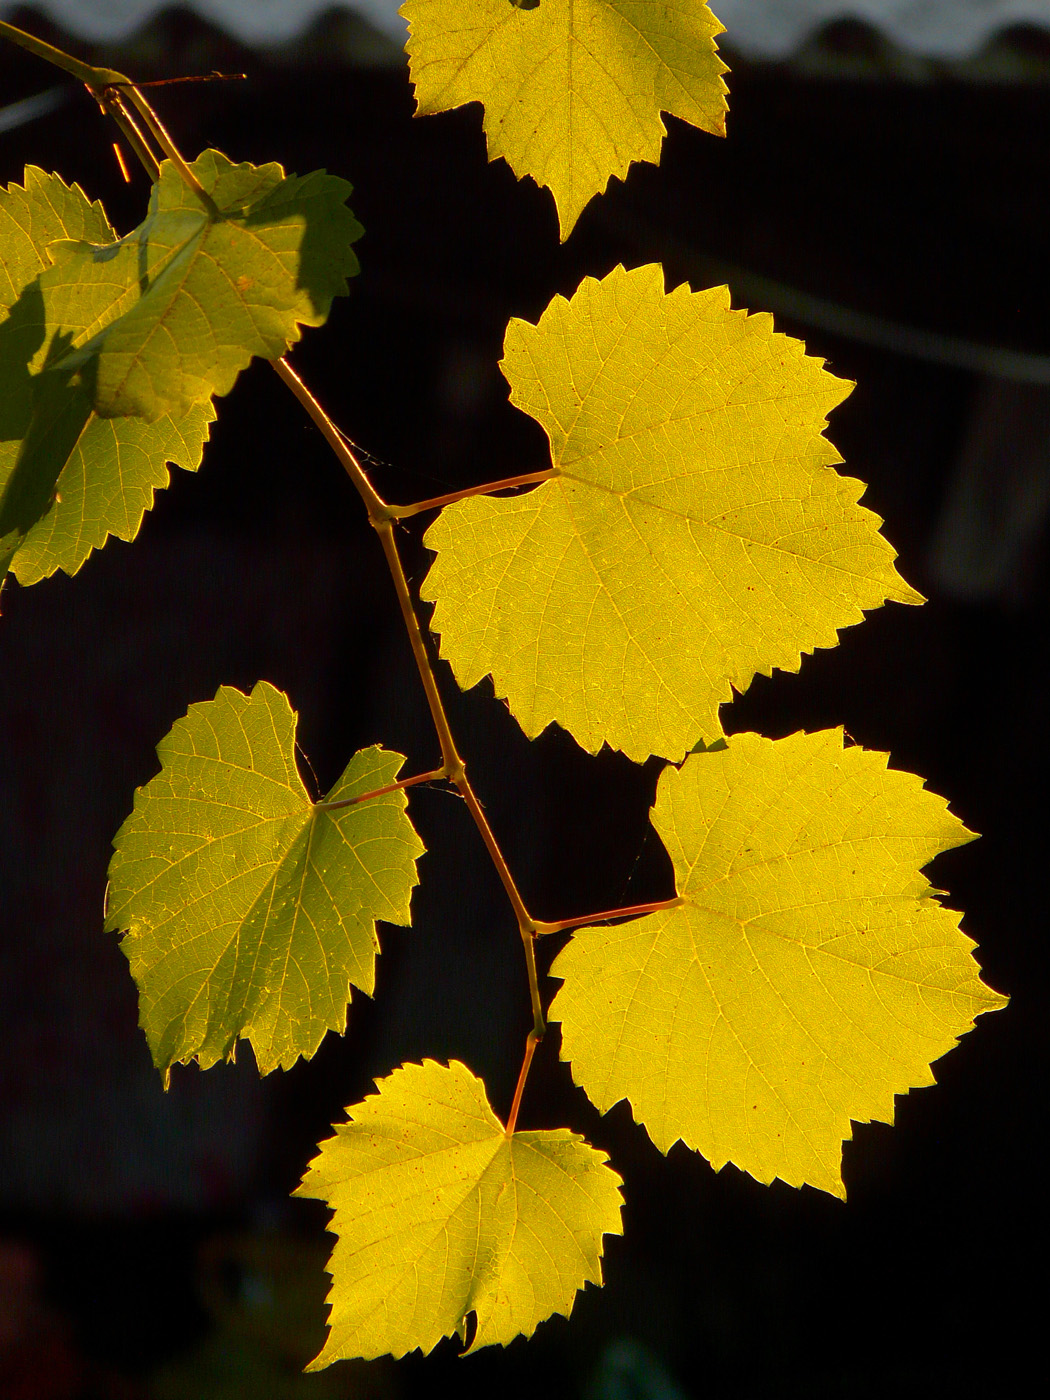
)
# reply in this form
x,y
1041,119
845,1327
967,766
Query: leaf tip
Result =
x,y
907,595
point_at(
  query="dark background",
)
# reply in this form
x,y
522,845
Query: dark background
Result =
x,y
921,206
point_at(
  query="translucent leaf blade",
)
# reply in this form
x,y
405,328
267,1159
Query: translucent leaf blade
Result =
x,y
808,976
104,485
572,89
68,478
439,1214
249,912
44,210
695,533
186,300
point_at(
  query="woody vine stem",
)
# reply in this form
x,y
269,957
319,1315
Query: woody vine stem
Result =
x,y
382,517
151,143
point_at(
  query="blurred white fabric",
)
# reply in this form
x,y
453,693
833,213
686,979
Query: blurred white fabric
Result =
x,y
944,29
261,22
760,29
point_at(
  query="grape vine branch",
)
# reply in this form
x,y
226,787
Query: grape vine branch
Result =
x,y
690,533
109,89
381,516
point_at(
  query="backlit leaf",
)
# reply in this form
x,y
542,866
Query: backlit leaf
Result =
x,y
694,534
107,475
439,1214
43,211
68,478
249,911
182,304
572,89
808,976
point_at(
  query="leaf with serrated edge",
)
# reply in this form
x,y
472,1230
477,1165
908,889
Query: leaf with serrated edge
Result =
x,y
439,1213
572,89
249,911
185,301
106,485
68,479
808,976
695,533
42,211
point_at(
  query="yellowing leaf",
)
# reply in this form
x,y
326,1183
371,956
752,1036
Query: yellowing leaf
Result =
x,y
249,910
808,975
68,478
182,304
694,534
572,89
439,1214
43,211
108,472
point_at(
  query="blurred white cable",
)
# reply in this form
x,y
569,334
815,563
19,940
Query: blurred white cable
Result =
x,y
30,108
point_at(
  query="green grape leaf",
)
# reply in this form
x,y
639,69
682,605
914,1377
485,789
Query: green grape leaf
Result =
x,y
249,910
68,478
806,978
439,1214
45,210
105,473
694,533
572,89
182,304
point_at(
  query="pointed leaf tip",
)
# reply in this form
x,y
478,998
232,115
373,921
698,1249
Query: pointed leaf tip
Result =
x,y
438,1214
572,89
809,976
249,912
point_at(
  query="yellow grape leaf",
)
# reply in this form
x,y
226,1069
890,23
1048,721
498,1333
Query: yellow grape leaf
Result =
x,y
440,1214
572,89
250,910
694,533
808,975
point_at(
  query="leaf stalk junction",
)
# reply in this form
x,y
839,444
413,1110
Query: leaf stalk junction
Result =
x,y
113,92
404,783
436,502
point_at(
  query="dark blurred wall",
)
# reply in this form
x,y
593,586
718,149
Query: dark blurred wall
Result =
x,y
921,207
